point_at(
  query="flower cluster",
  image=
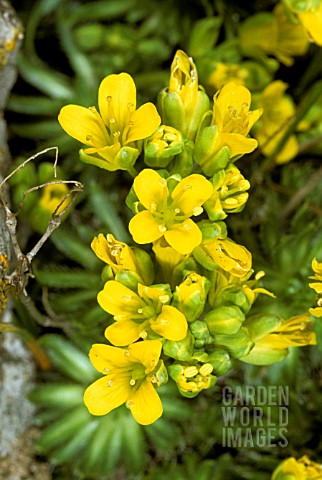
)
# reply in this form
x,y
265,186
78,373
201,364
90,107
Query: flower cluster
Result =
x,y
302,469
180,307
317,287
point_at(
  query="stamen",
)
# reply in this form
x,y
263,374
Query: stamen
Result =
x,y
206,369
164,298
143,334
132,382
153,207
164,321
140,310
126,353
163,182
114,253
177,210
129,404
106,370
110,383
190,372
197,210
154,379
162,228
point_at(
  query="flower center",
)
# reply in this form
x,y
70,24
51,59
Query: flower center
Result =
x,y
237,121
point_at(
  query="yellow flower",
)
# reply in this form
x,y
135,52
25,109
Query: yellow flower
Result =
x,y
311,19
111,134
129,376
233,118
225,73
138,315
229,194
279,110
302,469
273,34
317,287
120,257
184,102
113,252
50,203
272,337
191,378
230,256
227,135
167,214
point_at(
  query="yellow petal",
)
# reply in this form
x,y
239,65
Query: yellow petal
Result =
x,y
317,286
144,121
117,299
316,312
106,394
191,192
170,324
184,237
238,144
116,99
105,357
312,22
101,249
144,228
84,124
232,95
150,188
123,332
147,353
145,404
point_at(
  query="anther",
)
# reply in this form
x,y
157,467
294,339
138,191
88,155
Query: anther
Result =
x,y
126,353
164,298
132,382
129,404
187,226
110,383
162,228
197,210
163,182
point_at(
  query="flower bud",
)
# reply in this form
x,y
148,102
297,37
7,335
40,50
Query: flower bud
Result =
x,y
232,295
120,256
200,331
162,146
237,344
160,375
180,350
190,296
183,104
228,255
220,360
229,193
192,378
260,325
224,320
209,154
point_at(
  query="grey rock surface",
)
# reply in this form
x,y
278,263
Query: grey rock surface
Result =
x,y
17,369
